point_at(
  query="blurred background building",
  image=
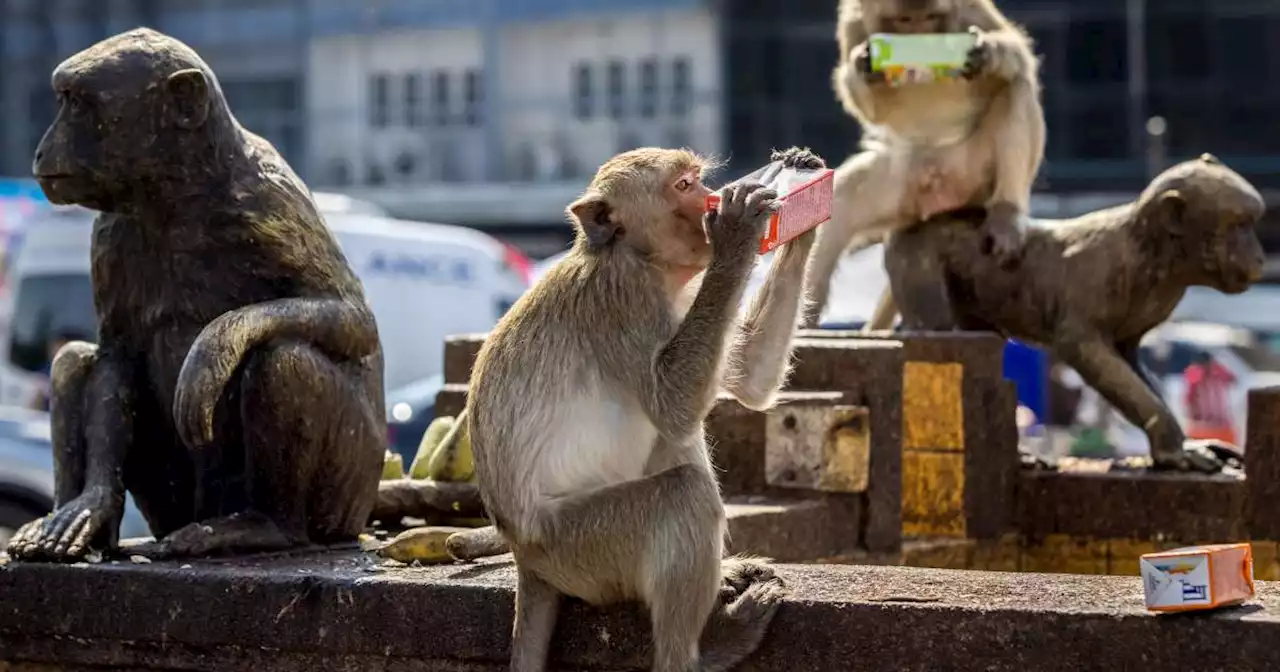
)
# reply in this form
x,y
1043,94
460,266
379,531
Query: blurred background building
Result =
x,y
492,113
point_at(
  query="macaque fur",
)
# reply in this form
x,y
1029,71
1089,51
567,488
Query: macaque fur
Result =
x,y
1089,288
935,146
587,404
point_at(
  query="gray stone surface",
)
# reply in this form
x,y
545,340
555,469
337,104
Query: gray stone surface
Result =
x,y
339,611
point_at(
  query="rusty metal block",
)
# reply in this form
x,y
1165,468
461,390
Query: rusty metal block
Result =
x,y
460,352
1123,555
933,494
818,447
932,406
1063,554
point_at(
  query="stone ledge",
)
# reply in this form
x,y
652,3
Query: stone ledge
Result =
x,y
338,611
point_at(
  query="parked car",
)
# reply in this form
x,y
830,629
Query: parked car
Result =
x,y
26,475
423,281
409,410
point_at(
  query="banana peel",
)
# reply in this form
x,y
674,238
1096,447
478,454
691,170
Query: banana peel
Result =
x,y
425,545
392,466
431,439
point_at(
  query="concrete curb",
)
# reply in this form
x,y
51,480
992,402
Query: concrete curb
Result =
x,y
339,611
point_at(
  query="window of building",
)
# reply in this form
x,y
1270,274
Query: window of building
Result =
x,y
648,87
681,86
380,101
1098,50
1178,47
414,108
473,97
583,95
617,87
440,97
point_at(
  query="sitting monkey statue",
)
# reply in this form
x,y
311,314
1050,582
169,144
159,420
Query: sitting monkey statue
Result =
x,y
1089,288
236,389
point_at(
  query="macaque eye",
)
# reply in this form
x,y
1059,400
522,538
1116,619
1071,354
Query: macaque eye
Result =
x,y
937,17
684,184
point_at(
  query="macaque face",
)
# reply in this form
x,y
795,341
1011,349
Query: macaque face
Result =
x,y
687,194
915,17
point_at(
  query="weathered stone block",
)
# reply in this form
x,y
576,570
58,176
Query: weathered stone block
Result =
x,y
342,612
820,447
1262,463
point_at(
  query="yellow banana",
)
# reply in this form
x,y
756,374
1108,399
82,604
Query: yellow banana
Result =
x,y
392,466
453,461
424,544
436,431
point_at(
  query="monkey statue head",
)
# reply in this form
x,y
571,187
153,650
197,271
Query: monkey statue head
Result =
x,y
1209,212
138,114
649,200
910,16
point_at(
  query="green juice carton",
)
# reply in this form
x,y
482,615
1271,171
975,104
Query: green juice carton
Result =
x,y
917,58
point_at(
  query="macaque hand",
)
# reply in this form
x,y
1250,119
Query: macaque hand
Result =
x,y
860,56
990,55
736,225
797,157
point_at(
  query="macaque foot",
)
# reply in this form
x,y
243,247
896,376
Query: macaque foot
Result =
x,y
739,574
1003,234
66,534
245,532
1196,455
797,157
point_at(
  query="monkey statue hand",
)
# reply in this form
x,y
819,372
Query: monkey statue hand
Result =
x,y
861,58
736,225
990,55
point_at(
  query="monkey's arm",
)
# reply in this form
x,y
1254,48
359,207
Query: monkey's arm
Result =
x,y
761,354
340,329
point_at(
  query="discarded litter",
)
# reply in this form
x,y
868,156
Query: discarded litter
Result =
x,y
1197,577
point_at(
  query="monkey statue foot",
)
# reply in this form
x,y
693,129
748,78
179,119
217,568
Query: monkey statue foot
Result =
x,y
1195,455
66,534
245,532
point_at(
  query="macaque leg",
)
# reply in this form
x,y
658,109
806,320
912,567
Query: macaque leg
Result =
x,y
537,606
91,427
1103,368
761,355
868,195
886,310
1013,130
666,551
311,440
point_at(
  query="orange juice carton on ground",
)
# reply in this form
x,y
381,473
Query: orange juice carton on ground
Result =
x,y
1197,577
804,199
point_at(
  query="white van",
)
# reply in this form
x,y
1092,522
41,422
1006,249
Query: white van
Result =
x,y
423,282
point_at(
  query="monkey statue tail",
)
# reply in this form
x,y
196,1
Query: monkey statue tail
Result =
x,y
341,329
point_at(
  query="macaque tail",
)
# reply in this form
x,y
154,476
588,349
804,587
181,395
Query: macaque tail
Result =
x,y
340,329
482,542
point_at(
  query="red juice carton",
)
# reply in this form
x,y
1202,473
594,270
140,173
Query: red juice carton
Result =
x,y
804,199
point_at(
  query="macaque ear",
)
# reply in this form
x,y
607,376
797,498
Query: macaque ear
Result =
x,y
1169,207
593,215
188,92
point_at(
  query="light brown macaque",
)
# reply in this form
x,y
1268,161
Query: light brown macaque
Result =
x,y
587,404
935,146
